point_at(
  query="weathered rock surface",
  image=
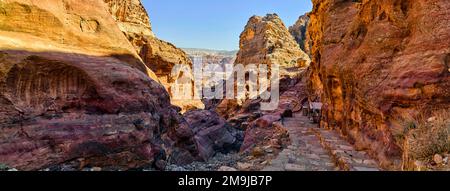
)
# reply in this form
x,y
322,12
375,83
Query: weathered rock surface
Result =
x,y
377,64
212,133
299,29
158,55
73,90
266,40
132,19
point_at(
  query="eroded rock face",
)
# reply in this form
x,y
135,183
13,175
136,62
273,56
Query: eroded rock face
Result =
x,y
73,90
131,17
266,40
377,64
158,55
298,30
212,133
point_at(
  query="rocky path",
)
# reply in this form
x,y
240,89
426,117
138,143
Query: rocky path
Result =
x,y
315,149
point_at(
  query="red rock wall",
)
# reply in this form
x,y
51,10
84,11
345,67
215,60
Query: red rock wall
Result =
x,y
378,63
158,55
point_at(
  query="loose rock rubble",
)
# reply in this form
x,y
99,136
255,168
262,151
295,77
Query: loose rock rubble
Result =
x,y
218,162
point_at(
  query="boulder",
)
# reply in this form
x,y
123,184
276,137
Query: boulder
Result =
x,y
226,169
212,133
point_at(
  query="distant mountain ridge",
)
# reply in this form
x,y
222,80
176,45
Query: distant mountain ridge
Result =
x,y
200,51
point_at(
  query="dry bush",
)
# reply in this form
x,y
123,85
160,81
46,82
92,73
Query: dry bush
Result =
x,y
426,137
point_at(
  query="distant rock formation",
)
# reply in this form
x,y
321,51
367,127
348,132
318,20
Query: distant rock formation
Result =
x,y
158,55
377,65
74,90
266,40
298,30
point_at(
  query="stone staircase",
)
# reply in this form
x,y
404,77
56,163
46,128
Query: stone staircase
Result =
x,y
315,149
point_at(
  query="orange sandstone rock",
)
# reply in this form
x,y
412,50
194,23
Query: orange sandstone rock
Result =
x,y
158,55
376,64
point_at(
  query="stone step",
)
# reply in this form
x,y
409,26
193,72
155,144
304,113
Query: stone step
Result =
x,y
344,154
306,152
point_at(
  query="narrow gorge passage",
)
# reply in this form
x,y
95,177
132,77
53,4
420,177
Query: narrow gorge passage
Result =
x,y
131,85
315,149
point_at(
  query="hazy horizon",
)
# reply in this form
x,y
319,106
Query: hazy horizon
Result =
x,y
214,25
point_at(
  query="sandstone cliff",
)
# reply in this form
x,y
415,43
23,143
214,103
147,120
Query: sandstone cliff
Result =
x,y
158,55
377,65
298,30
266,40
74,90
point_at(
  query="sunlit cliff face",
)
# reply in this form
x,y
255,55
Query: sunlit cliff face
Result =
x,y
375,65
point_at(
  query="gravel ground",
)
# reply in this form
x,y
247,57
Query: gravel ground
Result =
x,y
212,164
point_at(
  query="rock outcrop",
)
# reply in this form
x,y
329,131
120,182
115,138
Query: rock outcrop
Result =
x,y
266,40
132,19
299,29
378,64
74,90
265,129
158,55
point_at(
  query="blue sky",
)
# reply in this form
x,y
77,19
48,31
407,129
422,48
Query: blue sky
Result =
x,y
214,24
